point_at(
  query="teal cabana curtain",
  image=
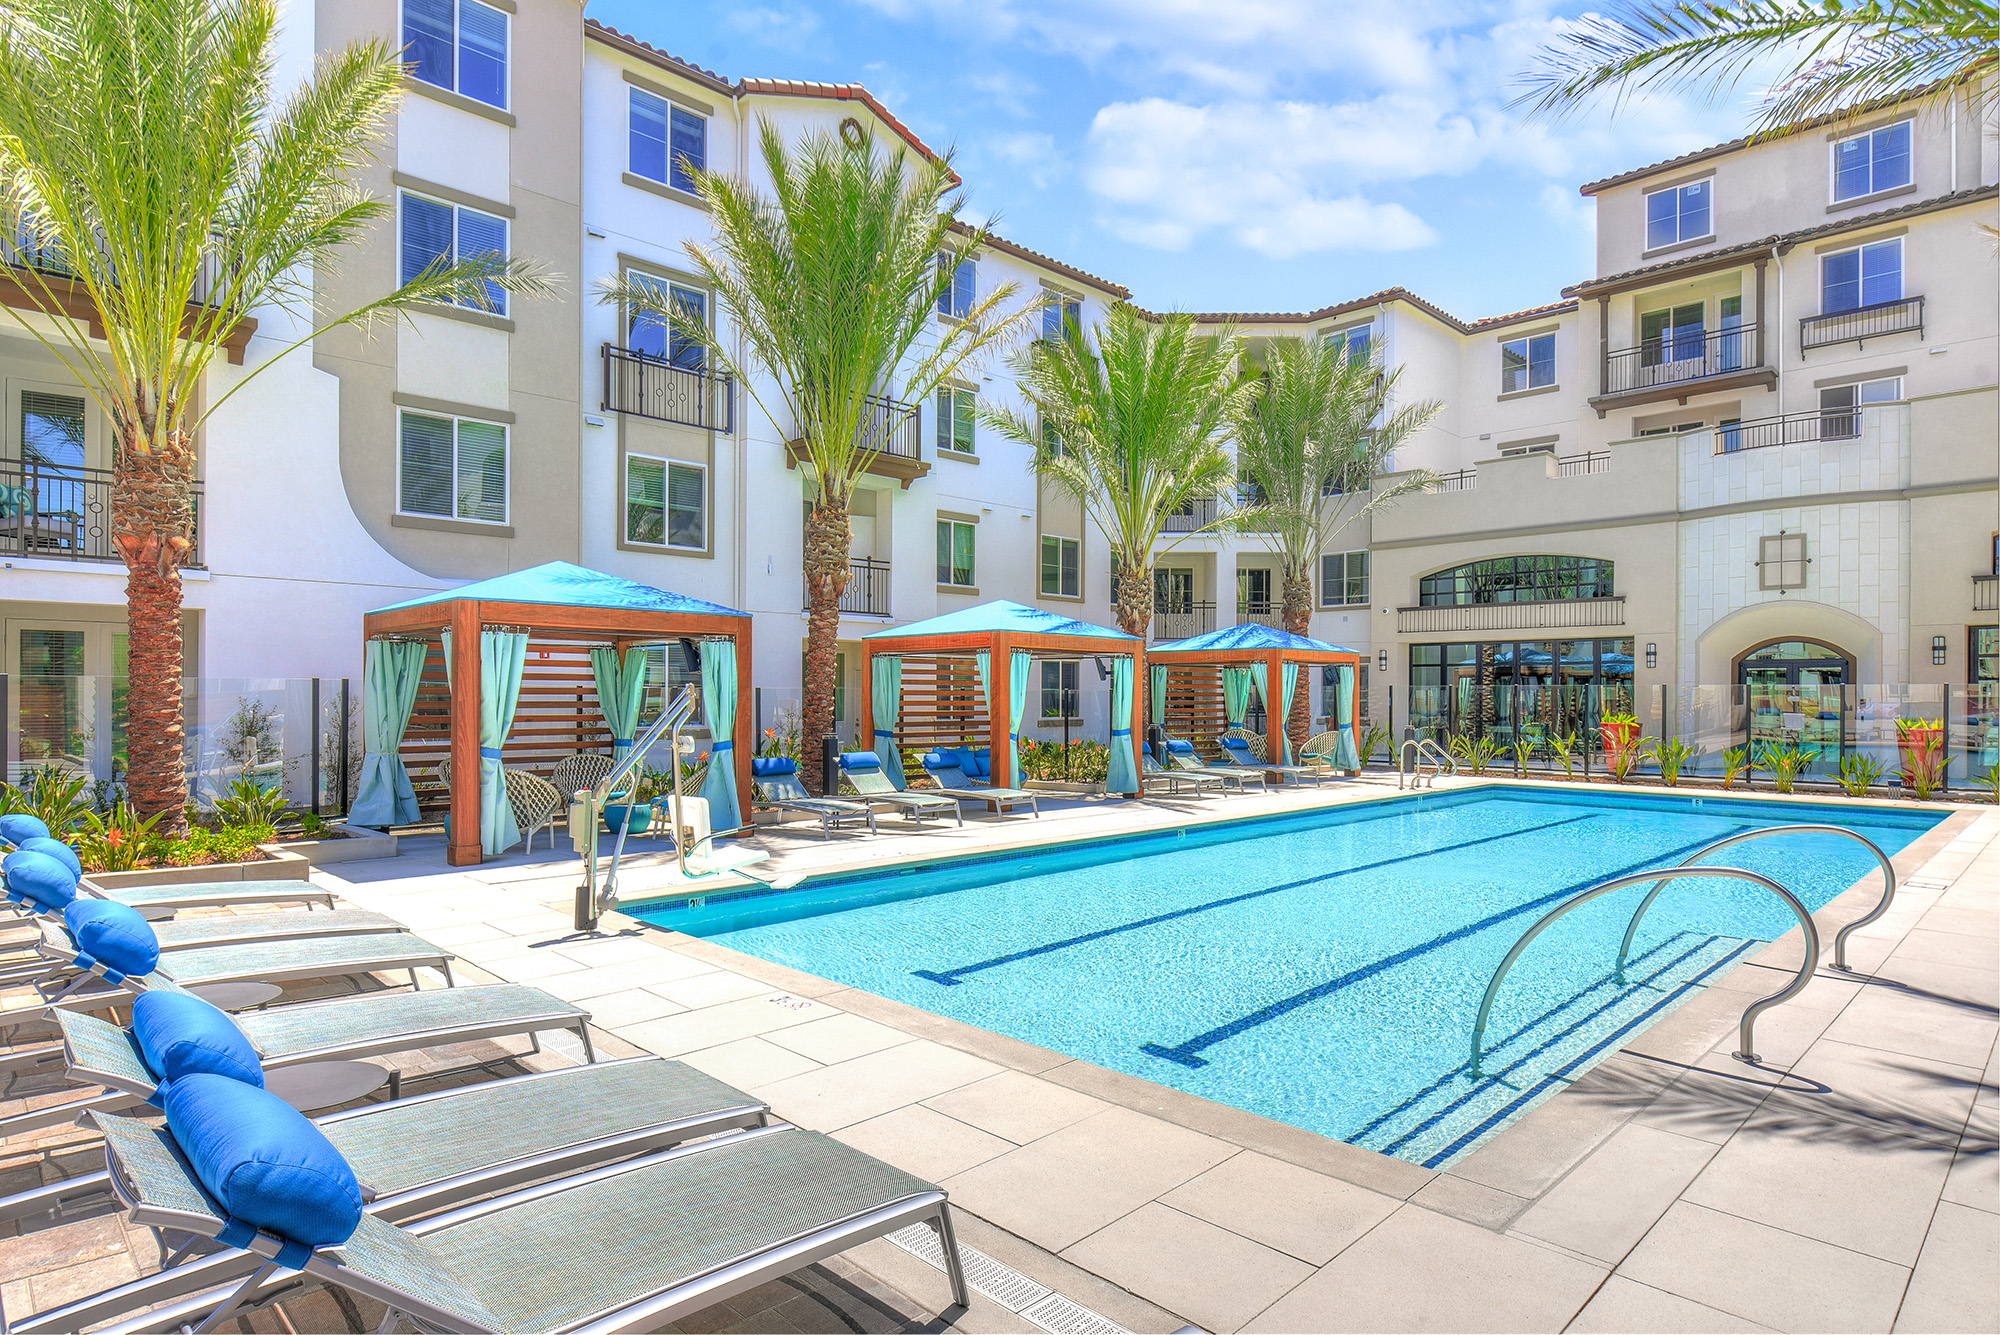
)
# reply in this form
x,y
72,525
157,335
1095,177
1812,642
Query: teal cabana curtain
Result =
x,y
718,699
1124,775
1018,663
503,656
1235,694
1157,701
1260,677
984,661
1346,753
620,686
1282,715
885,690
392,672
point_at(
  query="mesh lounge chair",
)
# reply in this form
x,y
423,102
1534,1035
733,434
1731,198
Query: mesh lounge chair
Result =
x,y
163,901
1237,752
863,770
1174,780
424,1153
630,1246
779,778
954,781
1181,758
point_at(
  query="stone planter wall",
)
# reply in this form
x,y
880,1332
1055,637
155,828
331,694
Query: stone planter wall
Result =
x,y
359,844
279,864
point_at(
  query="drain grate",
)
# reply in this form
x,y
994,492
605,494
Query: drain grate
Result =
x,y
1059,1316
1008,1286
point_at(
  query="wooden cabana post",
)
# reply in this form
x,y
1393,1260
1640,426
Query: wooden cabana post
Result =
x,y
1254,643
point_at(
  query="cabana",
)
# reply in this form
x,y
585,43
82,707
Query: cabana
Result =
x,y
563,646
965,674
1216,672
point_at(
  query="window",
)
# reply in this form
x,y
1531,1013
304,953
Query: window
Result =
x,y
956,407
1983,658
1782,561
453,468
1062,569
1864,276
1873,162
1358,338
1343,579
1840,405
53,443
1517,579
667,670
958,299
1052,444
653,336
1059,694
1062,313
1677,214
1516,451
669,143
460,45
665,502
1673,335
954,553
1253,591
1679,429
436,233
1173,589
1527,363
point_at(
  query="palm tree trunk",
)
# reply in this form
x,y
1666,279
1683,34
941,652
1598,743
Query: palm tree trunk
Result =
x,y
152,521
1298,621
828,539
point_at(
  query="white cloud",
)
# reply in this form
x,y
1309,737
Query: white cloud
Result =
x,y
1032,153
788,29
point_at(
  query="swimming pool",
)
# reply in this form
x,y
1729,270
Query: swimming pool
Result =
x,y
1323,968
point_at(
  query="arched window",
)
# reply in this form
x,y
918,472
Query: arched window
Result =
x,y
1517,579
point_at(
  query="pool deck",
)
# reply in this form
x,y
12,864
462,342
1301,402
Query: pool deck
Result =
x,y
1847,1183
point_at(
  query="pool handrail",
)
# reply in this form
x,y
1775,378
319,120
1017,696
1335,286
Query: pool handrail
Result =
x,y
1410,760
591,902
1746,1027
1839,938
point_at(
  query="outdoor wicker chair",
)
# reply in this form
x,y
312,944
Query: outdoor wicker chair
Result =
x,y
574,773
536,803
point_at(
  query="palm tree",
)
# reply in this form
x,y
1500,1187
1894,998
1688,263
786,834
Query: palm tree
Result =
x,y
1132,420
157,194
1841,51
833,282
1313,446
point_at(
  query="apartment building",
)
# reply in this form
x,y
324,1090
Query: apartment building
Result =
x,y
1760,440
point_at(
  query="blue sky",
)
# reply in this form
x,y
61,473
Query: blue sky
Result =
x,y
1228,154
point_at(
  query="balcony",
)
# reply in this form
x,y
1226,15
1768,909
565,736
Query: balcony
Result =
x,y
1477,618
867,592
1191,518
1862,323
54,284
890,432
1791,429
1182,620
1261,614
640,385
1682,364
1465,479
1986,593
64,514
1583,465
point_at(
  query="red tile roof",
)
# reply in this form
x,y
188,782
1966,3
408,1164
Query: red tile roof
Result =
x,y
1382,298
1021,252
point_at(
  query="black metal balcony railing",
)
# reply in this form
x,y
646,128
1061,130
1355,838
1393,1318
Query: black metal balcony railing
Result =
x,y
1582,465
1192,517
1182,620
1465,479
1790,429
1986,593
642,385
1676,358
892,428
867,592
20,249
1904,316
64,514
1262,612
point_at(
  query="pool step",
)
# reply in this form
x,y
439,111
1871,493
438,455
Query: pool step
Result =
x,y
1519,1070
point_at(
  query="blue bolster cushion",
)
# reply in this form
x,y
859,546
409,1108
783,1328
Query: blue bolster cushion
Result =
x,y
113,935
56,849
38,878
1237,743
1180,745
860,760
762,766
975,763
181,1035
940,760
265,1163
17,827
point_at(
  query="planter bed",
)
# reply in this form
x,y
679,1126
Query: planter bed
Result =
x,y
341,843
278,864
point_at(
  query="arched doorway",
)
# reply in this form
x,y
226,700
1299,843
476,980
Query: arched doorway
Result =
x,y
1793,690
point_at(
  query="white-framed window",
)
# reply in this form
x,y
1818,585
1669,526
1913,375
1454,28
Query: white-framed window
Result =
x,y
1782,561
1871,162
957,413
460,45
1360,340
1343,579
434,232
452,467
1864,276
669,143
1516,451
1840,405
955,541
1059,694
1062,567
666,502
649,334
1679,213
1060,313
958,300
1527,363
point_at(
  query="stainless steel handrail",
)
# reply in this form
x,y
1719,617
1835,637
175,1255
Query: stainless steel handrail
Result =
x,y
1410,761
590,901
1746,1027
1839,938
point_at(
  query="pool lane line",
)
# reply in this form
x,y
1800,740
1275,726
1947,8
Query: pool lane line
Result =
x,y
1187,1053
952,977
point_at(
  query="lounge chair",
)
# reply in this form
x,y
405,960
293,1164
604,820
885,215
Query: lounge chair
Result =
x,y
957,783
421,1154
1237,752
1175,780
1181,758
630,1246
163,901
779,778
863,770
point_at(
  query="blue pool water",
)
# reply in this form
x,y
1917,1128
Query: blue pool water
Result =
x,y
1321,969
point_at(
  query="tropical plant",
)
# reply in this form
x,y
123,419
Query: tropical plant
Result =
x,y
1786,763
146,156
1671,755
312,826
1476,754
1311,447
1859,773
250,803
1737,763
53,795
119,840
1562,745
834,283
1920,743
1129,417
1375,740
1080,761
1991,783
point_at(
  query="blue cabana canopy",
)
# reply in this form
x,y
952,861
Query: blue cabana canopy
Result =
x,y
1266,660
1252,636
1000,617
560,583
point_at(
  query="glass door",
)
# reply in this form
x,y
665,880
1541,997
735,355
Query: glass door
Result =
x,y
58,718
1794,693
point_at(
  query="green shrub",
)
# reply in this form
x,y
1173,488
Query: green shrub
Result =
x,y
250,803
1672,755
1736,764
1859,773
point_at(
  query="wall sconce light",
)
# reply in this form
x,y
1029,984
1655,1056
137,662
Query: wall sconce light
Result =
x,y
1382,660
1940,652
1652,655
